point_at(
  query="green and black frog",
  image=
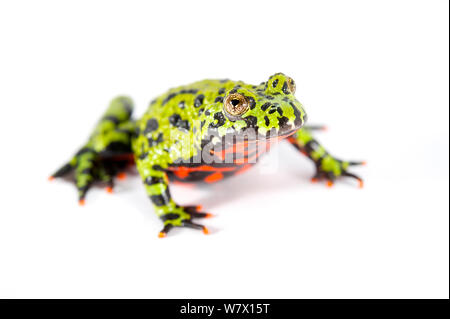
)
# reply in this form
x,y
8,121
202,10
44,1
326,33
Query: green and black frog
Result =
x,y
205,131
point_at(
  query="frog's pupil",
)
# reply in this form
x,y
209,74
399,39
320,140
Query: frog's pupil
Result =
x,y
235,102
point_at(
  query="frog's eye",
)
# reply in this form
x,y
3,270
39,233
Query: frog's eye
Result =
x,y
235,104
291,85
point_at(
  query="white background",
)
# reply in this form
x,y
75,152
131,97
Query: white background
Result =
x,y
376,72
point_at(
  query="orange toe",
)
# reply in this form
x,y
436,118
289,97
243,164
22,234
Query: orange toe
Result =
x,y
330,184
209,215
121,176
162,234
364,163
199,207
205,230
50,178
361,184
109,189
81,202
314,180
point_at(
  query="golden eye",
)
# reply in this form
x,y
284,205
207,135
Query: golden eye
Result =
x,y
291,85
235,104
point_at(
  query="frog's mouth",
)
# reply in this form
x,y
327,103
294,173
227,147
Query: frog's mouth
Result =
x,y
285,129
252,135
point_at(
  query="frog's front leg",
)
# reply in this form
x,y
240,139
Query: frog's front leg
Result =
x,y
327,166
157,187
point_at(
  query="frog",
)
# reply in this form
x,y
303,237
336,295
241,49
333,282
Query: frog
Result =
x,y
205,132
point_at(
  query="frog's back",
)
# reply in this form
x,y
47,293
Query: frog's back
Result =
x,y
172,119
189,100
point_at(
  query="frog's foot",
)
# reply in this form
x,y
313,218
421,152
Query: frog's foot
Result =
x,y
181,216
88,167
330,169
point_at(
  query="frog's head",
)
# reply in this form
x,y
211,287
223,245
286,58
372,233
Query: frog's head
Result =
x,y
260,111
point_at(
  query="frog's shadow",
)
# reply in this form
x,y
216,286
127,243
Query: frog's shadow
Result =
x,y
255,181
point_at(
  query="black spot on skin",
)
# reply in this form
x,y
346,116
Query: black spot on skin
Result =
x,y
174,119
298,119
282,121
280,111
182,105
185,125
311,146
152,125
172,95
116,148
137,131
266,119
143,156
112,119
200,111
151,180
265,106
220,118
202,123
219,99
87,171
272,111
158,168
199,100
207,113
170,216
251,102
152,142
250,120
152,102
271,133
168,98
160,200
269,97
233,91
275,83
285,88
221,90
191,91
84,150
224,80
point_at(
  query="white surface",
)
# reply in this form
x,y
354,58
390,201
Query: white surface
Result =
x,y
375,71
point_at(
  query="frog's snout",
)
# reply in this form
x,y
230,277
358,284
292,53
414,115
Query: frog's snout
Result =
x,y
287,126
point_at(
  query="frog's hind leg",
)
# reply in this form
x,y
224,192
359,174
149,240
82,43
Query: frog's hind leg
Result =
x,y
328,167
107,151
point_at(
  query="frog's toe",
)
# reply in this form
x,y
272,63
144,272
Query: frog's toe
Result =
x,y
82,191
330,176
63,171
195,212
359,179
357,163
186,223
